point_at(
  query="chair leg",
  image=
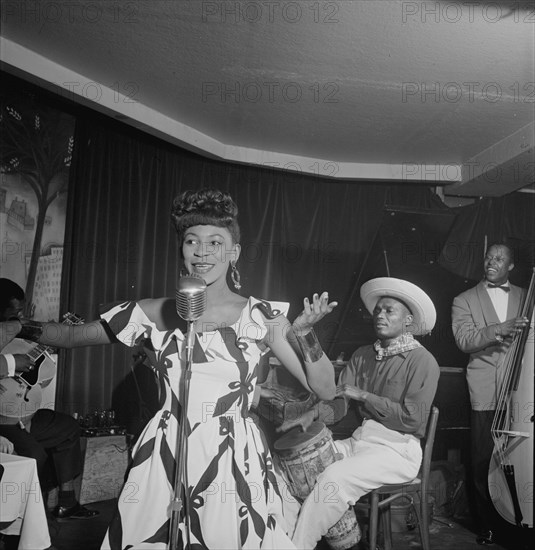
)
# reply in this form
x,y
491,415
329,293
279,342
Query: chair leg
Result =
x,y
387,527
424,522
423,526
374,519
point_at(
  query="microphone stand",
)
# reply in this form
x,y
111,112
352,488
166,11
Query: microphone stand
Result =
x,y
181,453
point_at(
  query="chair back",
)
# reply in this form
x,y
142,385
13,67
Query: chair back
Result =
x,y
419,484
428,447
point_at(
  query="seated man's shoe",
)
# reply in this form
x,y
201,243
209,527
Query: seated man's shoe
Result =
x,y
485,537
74,512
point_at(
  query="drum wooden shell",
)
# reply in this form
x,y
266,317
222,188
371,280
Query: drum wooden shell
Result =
x,y
303,456
345,533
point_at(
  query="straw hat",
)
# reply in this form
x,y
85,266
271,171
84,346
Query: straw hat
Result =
x,y
421,306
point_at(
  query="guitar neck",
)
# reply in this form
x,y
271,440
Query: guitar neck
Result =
x,y
37,351
40,349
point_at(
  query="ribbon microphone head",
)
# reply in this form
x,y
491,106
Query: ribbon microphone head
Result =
x,y
191,297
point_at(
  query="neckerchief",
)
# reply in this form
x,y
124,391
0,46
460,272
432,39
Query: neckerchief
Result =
x,y
402,343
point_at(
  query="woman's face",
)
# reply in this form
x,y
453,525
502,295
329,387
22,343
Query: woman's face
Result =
x,y
208,250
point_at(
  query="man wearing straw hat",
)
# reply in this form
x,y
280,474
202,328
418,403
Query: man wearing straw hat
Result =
x,y
393,382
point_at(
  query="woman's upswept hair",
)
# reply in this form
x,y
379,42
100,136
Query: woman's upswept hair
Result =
x,y
205,207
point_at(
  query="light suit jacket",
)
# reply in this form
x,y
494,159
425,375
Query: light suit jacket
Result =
x,y
473,317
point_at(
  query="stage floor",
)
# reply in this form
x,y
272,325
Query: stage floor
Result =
x,y
446,534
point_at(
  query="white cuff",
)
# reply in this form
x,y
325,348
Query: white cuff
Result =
x,y
11,363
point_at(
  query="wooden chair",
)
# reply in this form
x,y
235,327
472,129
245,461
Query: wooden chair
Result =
x,y
381,498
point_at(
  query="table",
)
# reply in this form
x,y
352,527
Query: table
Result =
x,y
22,510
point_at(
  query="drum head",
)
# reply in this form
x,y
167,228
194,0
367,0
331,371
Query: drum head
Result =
x,y
296,438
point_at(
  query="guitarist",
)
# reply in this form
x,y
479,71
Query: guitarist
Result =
x,y
11,364
51,438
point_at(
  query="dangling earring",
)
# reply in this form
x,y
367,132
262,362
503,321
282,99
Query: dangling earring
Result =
x,y
235,275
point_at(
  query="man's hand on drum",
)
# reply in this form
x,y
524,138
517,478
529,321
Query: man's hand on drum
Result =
x,y
304,421
350,392
269,393
312,313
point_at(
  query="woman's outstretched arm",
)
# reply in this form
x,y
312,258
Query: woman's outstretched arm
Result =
x,y
297,348
60,335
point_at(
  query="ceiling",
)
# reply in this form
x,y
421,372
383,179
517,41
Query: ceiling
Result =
x,y
438,92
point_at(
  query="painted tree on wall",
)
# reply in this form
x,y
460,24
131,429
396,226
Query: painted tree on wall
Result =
x,y
36,142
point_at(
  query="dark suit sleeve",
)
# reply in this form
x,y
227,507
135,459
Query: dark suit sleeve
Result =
x,y
3,368
8,331
468,335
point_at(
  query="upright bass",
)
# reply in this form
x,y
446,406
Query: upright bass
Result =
x,y
511,466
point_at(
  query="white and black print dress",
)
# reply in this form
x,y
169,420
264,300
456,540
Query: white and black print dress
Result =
x,y
235,499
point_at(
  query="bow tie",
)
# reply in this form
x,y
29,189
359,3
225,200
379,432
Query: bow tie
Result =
x,y
503,287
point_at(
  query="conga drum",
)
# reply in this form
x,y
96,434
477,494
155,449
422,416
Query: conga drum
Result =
x,y
303,456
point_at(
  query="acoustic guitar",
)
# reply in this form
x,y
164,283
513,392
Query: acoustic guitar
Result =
x,y
21,395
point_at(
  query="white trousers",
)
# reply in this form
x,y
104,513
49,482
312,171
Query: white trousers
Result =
x,y
373,456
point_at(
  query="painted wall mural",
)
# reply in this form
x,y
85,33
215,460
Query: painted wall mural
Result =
x,y
36,143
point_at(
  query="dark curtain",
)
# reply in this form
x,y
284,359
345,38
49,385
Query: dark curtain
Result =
x,y
300,234
509,219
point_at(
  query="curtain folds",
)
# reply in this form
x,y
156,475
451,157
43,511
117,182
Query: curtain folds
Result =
x,y
300,234
507,219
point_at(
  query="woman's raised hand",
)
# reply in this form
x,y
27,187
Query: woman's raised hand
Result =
x,y
312,313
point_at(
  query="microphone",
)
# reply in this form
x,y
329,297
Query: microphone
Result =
x,y
190,297
190,301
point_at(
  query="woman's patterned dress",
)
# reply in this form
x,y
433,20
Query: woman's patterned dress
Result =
x,y
235,500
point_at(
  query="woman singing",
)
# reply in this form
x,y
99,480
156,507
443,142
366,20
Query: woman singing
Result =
x,y
233,499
